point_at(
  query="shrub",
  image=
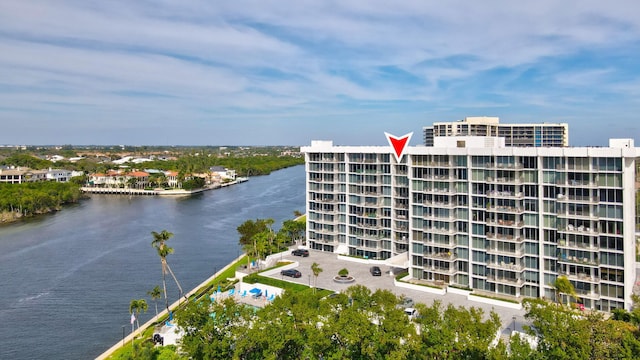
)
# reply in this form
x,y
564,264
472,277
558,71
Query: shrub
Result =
x,y
344,272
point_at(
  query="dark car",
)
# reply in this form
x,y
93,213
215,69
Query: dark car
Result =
x,y
375,271
300,252
291,272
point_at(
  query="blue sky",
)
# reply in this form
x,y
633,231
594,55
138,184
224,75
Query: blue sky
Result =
x,y
288,72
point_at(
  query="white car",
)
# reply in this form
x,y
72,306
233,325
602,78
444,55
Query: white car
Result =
x,y
411,313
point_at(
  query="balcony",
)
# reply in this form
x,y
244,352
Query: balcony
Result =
x,y
441,231
440,204
505,194
573,245
442,256
503,280
495,251
448,244
441,270
441,191
579,183
583,215
588,294
505,223
580,277
509,180
564,258
502,166
441,218
578,199
583,230
506,209
503,237
504,266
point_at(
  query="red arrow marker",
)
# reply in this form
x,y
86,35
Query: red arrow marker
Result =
x,y
398,144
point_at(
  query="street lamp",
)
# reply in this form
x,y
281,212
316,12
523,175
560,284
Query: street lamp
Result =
x,y
309,280
514,323
123,326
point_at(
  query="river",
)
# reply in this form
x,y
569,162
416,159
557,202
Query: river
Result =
x,y
67,278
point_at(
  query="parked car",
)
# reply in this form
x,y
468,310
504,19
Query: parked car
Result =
x,y
411,313
375,271
291,272
300,252
406,302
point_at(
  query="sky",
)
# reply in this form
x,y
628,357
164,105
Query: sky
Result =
x,y
190,72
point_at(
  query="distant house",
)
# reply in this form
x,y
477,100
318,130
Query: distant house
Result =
x,y
59,175
55,158
172,179
21,175
224,173
141,178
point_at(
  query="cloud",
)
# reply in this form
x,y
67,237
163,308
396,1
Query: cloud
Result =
x,y
205,64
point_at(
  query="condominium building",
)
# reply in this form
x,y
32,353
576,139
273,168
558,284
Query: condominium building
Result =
x,y
537,135
472,212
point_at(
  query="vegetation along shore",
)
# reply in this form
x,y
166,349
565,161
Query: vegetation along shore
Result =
x,y
31,184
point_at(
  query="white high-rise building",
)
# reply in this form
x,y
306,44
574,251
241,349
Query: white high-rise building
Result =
x,y
536,135
474,213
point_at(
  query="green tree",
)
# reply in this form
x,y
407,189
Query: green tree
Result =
x,y
212,330
159,243
316,269
563,286
137,306
455,333
155,294
293,230
255,237
561,334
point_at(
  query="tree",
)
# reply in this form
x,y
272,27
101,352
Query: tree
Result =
x,y
255,237
136,306
159,243
563,286
212,330
316,269
293,230
155,293
132,182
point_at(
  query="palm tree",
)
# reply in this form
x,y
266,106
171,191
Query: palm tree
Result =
x,y
159,242
155,294
137,306
564,286
316,269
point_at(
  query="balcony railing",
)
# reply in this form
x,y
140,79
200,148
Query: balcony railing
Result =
x,y
503,237
503,280
577,260
444,256
504,266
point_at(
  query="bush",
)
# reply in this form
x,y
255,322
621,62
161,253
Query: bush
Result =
x,y
344,272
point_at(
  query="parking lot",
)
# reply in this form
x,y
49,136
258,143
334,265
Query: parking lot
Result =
x,y
330,265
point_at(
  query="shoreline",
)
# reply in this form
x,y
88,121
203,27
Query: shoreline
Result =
x,y
11,217
157,192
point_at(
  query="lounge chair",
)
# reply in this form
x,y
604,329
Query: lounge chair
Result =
x,y
244,294
271,297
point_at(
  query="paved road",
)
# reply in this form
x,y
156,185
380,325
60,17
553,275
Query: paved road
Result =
x,y
330,265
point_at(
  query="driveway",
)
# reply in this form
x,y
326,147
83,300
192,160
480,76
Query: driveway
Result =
x,y
330,265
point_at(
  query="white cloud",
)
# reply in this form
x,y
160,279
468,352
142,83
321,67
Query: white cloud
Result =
x,y
235,60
